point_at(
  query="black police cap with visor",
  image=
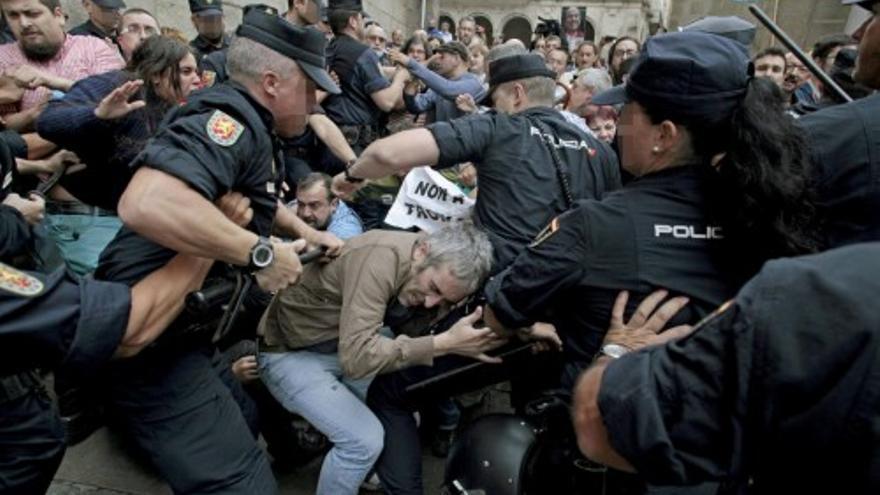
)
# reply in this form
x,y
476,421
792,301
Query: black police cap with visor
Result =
x,y
305,45
206,7
513,68
693,76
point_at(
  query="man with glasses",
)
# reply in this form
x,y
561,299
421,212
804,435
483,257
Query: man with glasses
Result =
x,y
137,25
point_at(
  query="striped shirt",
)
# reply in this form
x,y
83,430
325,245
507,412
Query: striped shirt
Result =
x,y
79,57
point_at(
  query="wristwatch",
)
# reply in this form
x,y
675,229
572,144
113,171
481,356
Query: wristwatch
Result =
x,y
613,351
262,254
348,176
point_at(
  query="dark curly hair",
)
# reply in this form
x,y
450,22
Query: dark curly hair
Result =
x,y
761,190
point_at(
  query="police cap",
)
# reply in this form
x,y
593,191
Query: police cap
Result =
x,y
732,27
695,76
516,67
303,44
109,4
206,7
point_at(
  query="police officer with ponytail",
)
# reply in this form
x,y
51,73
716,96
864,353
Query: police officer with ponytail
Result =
x,y
721,185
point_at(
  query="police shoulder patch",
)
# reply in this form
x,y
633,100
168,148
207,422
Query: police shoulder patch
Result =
x,y
223,129
18,282
546,232
208,78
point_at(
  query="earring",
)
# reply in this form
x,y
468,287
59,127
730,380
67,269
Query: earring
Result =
x,y
655,149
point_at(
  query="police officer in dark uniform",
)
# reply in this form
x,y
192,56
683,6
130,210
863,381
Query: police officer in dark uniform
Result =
x,y
522,185
170,398
845,145
74,326
303,153
360,110
776,393
207,17
703,214
109,9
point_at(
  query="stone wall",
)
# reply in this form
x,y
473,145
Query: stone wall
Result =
x,y
607,18
805,21
403,14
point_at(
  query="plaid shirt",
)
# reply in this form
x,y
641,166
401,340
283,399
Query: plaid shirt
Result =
x,y
79,57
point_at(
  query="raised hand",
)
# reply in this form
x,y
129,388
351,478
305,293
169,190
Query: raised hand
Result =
x,y
116,104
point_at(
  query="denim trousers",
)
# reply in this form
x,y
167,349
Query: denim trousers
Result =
x,y
313,385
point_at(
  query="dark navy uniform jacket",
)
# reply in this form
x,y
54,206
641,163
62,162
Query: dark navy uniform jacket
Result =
x,y
203,47
782,388
359,76
75,325
845,145
652,234
519,188
221,140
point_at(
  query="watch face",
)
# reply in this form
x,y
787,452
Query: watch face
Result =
x,y
614,350
263,256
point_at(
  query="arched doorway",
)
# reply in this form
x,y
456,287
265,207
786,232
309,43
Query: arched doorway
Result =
x,y
518,27
589,31
446,18
486,24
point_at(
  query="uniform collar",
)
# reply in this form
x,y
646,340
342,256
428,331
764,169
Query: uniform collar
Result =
x,y
263,112
202,43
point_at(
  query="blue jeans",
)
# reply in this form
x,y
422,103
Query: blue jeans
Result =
x,y
312,385
82,238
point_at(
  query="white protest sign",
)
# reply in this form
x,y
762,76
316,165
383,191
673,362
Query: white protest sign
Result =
x,y
428,201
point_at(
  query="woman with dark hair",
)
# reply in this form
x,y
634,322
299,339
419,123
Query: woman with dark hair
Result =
x,y
721,185
100,122
622,49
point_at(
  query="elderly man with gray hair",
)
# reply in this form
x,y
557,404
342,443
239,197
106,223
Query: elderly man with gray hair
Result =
x,y
587,83
322,343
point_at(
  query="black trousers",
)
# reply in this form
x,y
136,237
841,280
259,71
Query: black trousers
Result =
x,y
177,409
31,444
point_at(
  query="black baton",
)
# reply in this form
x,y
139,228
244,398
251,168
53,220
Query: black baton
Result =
x,y
244,282
796,50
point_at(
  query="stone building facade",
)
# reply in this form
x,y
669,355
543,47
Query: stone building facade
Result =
x,y
804,20
508,18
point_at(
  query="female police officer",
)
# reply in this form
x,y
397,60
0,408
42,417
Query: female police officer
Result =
x,y
721,185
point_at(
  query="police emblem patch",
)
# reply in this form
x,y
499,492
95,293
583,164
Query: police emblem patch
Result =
x,y
223,129
18,282
208,78
546,233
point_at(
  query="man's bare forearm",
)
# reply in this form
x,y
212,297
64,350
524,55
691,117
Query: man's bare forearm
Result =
x,y
158,299
592,436
167,211
398,153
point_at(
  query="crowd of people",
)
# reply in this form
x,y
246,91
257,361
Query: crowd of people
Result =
x,y
591,195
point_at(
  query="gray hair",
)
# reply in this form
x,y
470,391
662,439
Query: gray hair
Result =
x,y
247,60
464,249
596,79
540,90
503,50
